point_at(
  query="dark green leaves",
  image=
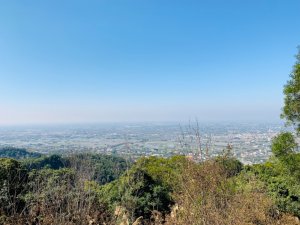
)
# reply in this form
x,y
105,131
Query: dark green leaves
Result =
x,y
291,109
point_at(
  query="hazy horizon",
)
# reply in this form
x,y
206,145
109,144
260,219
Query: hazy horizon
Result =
x,y
184,123
139,61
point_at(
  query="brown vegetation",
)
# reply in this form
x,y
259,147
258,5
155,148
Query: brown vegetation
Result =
x,y
207,196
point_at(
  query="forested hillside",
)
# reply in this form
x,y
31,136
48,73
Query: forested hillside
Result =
x,y
17,153
97,190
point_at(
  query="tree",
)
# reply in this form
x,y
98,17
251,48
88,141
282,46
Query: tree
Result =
x,y
51,162
140,191
13,179
291,109
283,144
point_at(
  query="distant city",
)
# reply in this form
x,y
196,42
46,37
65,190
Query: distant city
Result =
x,y
250,142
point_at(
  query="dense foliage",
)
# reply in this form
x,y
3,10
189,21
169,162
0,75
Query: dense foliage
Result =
x,y
17,153
291,109
13,179
55,189
146,187
105,168
152,190
281,174
52,162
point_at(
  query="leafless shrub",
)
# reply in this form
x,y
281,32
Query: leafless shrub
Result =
x,y
192,141
208,197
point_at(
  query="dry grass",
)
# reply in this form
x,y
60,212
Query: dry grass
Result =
x,y
208,197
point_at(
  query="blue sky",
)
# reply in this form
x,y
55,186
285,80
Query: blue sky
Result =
x,y
145,60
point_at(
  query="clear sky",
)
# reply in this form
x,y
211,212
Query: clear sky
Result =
x,y
145,60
